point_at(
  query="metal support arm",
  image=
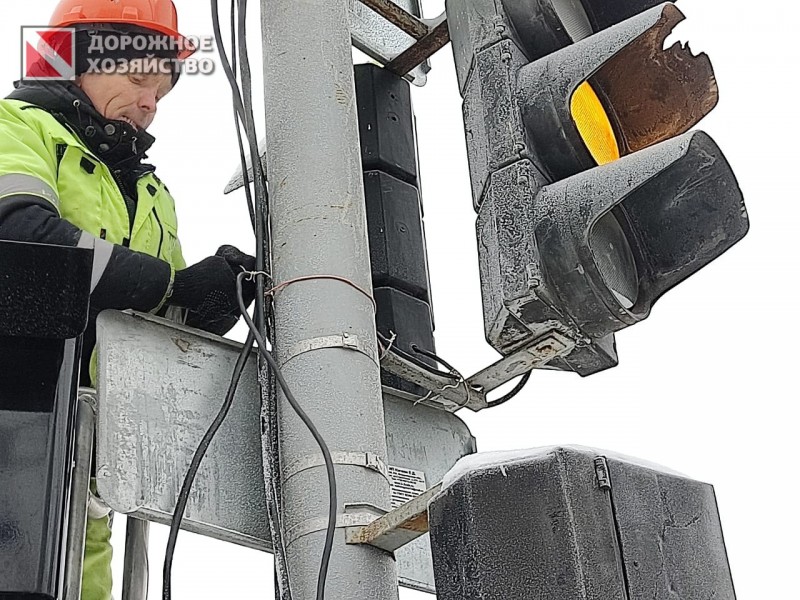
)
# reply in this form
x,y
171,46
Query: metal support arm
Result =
x,y
452,393
431,35
397,528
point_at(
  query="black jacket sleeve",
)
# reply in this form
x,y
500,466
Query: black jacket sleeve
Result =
x,y
122,278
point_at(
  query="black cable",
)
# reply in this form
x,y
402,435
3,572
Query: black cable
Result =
x,y
247,96
183,496
242,158
264,321
194,466
240,112
514,391
259,179
331,474
238,106
502,400
432,356
243,108
388,344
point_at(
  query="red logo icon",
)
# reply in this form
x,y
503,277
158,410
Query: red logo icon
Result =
x,y
48,53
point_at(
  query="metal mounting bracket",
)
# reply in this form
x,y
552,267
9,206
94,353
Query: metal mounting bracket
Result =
x,y
343,340
450,393
354,515
368,460
430,35
396,528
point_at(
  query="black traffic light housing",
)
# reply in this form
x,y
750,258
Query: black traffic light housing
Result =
x,y
569,239
394,216
596,251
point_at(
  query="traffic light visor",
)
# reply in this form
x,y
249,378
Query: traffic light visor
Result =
x,y
651,92
614,93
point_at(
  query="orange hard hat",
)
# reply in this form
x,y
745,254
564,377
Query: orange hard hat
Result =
x,y
156,15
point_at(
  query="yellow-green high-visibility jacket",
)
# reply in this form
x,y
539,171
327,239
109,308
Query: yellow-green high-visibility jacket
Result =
x,y
45,166
41,157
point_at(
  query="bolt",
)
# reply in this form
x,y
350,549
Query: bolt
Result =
x,y
546,350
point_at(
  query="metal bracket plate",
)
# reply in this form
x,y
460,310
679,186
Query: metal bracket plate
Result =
x,y
383,40
160,386
533,356
397,528
451,394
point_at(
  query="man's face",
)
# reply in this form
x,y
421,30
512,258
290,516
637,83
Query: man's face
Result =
x,y
131,96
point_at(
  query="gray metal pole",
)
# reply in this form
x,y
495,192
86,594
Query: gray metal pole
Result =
x,y
136,569
79,496
325,329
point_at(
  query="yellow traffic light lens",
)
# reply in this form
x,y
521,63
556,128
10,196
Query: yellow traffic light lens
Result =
x,y
594,125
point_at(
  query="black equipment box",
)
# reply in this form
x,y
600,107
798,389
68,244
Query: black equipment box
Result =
x,y
572,523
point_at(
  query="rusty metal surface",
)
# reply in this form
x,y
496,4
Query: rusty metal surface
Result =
x,y
393,13
398,527
435,40
381,39
655,104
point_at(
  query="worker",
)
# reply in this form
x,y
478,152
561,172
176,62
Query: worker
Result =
x,y
72,173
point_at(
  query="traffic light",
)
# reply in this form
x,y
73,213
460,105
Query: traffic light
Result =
x,y
394,216
594,198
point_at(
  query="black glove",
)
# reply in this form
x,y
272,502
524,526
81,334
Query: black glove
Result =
x,y
239,261
208,290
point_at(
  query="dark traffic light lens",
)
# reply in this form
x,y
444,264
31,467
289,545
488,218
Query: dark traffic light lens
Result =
x,y
614,259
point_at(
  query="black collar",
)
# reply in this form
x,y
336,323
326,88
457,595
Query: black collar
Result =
x,y
117,143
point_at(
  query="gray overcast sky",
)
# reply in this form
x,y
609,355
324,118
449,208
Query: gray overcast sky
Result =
x,y
704,386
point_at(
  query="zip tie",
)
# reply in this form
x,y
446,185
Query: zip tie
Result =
x,y
389,347
450,386
251,275
453,372
286,284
